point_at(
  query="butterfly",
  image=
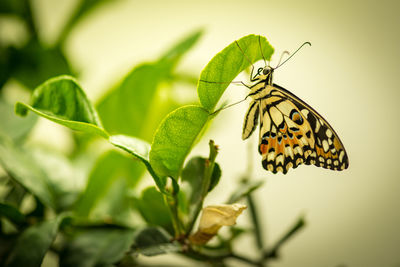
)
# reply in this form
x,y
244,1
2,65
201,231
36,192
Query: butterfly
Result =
x,y
291,131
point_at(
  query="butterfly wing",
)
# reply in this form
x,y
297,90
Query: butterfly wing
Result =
x,y
250,120
292,133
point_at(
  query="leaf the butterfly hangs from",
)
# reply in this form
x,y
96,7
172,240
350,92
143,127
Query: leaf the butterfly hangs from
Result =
x,y
291,132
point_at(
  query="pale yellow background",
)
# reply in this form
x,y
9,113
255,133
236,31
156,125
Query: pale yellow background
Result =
x,y
350,75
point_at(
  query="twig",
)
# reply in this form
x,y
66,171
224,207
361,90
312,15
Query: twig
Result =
x,y
255,221
274,252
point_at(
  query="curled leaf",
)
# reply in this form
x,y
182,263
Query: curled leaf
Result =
x,y
213,218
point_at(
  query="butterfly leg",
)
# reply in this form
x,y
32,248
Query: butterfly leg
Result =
x,y
228,106
234,82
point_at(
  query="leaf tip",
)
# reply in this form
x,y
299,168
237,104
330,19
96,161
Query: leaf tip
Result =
x,y
21,109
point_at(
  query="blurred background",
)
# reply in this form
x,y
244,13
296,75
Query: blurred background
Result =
x,y
349,75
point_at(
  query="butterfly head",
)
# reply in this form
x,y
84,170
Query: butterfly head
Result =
x,y
265,74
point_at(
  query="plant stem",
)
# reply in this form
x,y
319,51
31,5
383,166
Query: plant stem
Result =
x,y
172,203
207,257
208,171
274,252
256,222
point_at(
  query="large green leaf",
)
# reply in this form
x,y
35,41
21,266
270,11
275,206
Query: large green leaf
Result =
x,y
227,64
33,243
111,170
130,107
96,247
153,209
63,101
22,167
174,139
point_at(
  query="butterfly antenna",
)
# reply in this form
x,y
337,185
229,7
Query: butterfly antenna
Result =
x,y
283,53
244,54
293,54
228,106
262,54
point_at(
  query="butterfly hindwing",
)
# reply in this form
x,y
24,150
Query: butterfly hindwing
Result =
x,y
292,133
329,150
283,142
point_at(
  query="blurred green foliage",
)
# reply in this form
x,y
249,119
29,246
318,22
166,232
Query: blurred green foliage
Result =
x,y
99,214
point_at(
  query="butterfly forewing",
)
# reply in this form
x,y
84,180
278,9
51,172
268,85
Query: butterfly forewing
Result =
x,y
250,120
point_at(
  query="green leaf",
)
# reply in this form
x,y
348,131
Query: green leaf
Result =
x,y
33,244
11,213
21,166
16,193
130,107
13,126
153,209
243,190
111,168
173,55
11,6
174,139
84,7
135,146
139,149
216,175
193,175
96,247
125,109
227,64
63,101
154,241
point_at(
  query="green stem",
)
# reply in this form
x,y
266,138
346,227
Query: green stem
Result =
x,y
274,251
210,257
172,203
29,19
206,184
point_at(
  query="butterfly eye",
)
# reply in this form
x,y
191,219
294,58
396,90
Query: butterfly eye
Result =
x,y
266,71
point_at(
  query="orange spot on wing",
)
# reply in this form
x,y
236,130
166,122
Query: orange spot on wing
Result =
x,y
280,148
337,144
264,148
326,155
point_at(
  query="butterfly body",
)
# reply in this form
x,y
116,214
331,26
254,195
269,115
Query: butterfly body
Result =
x,y
291,132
